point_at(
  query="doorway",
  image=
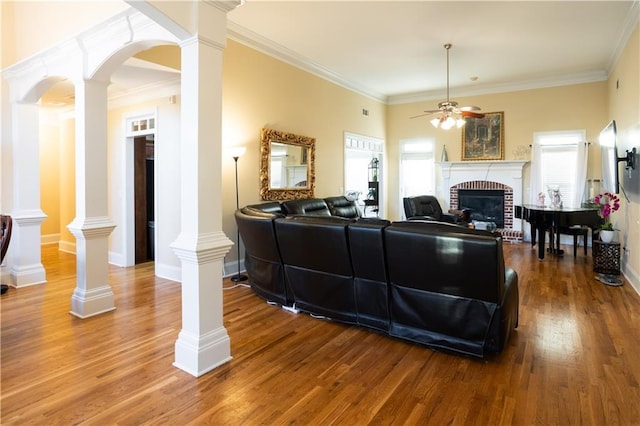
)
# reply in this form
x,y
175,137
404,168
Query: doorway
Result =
x,y
144,217
360,182
417,175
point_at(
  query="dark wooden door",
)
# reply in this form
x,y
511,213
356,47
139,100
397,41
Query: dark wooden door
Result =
x,y
143,194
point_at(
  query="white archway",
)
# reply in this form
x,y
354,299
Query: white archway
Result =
x,y
89,59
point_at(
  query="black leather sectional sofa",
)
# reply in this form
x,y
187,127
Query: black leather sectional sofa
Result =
x,y
437,284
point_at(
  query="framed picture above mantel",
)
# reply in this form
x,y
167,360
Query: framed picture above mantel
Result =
x,y
483,138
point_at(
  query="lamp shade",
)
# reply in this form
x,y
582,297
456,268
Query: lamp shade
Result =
x,y
237,151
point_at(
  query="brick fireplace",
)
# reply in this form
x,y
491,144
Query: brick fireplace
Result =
x,y
490,176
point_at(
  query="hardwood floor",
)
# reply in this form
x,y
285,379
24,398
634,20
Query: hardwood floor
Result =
x,y
574,359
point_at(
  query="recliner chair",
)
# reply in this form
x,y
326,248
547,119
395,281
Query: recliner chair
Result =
x,y
343,207
426,207
5,236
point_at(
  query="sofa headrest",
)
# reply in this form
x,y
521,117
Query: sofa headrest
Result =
x,y
268,207
341,206
435,227
309,206
250,211
319,220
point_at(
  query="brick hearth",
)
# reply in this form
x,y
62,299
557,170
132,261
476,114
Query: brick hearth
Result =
x,y
508,233
489,175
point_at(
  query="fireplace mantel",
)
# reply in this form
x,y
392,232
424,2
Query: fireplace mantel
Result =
x,y
486,167
507,173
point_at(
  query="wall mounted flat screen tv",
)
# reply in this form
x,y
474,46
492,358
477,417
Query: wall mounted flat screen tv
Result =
x,y
609,152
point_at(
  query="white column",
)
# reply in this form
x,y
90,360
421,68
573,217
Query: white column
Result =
x,y
91,226
24,256
203,342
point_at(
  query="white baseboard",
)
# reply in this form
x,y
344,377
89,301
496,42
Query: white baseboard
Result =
x,y
633,277
116,259
49,239
170,272
231,268
67,247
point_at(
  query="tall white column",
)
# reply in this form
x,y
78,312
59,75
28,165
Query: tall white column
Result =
x,y
25,258
91,226
203,342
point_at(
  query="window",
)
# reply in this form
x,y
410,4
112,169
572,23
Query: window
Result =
x,y
417,175
559,159
141,126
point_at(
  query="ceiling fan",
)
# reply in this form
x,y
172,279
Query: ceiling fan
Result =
x,y
449,114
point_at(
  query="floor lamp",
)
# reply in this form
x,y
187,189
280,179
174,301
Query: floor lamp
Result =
x,y
237,153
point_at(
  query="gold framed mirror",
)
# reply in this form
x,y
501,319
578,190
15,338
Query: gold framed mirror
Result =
x,y
287,166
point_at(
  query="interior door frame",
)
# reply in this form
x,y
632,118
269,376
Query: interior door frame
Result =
x,y
129,177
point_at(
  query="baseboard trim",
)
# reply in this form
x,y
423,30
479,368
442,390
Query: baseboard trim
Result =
x,y
67,247
49,239
170,272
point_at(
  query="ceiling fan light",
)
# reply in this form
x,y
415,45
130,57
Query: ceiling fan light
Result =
x,y
435,122
448,123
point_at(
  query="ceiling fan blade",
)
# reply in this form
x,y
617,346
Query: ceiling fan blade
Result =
x,y
470,108
422,115
471,114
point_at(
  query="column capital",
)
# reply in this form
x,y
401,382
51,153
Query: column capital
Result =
x,y
202,248
28,217
91,227
200,39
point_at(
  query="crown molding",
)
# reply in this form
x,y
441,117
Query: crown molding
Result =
x,y
514,86
255,41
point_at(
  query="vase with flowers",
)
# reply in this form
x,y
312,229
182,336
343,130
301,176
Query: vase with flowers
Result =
x,y
607,204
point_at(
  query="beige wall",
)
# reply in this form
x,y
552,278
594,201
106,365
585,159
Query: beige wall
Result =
x,y
624,107
67,194
259,91
50,173
31,16
574,107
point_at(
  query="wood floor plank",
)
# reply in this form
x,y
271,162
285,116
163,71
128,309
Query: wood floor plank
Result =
x,y
574,359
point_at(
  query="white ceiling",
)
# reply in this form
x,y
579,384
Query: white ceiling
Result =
x,y
393,50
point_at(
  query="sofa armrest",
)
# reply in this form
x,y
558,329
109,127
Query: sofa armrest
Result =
x,y
422,218
509,306
510,297
450,218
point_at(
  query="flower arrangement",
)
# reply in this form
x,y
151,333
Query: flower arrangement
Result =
x,y
607,203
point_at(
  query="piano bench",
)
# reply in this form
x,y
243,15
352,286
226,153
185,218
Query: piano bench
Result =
x,y
576,231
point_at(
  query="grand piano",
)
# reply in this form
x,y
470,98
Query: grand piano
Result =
x,y
544,218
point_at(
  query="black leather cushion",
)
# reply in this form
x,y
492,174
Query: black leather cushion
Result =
x,y
268,207
262,255
370,273
309,206
458,261
447,286
426,207
317,263
341,206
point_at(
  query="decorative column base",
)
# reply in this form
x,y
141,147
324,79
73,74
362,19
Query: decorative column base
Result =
x,y
92,295
198,355
89,303
24,276
27,268
203,343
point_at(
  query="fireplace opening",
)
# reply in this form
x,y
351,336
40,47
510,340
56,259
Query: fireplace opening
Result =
x,y
485,205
